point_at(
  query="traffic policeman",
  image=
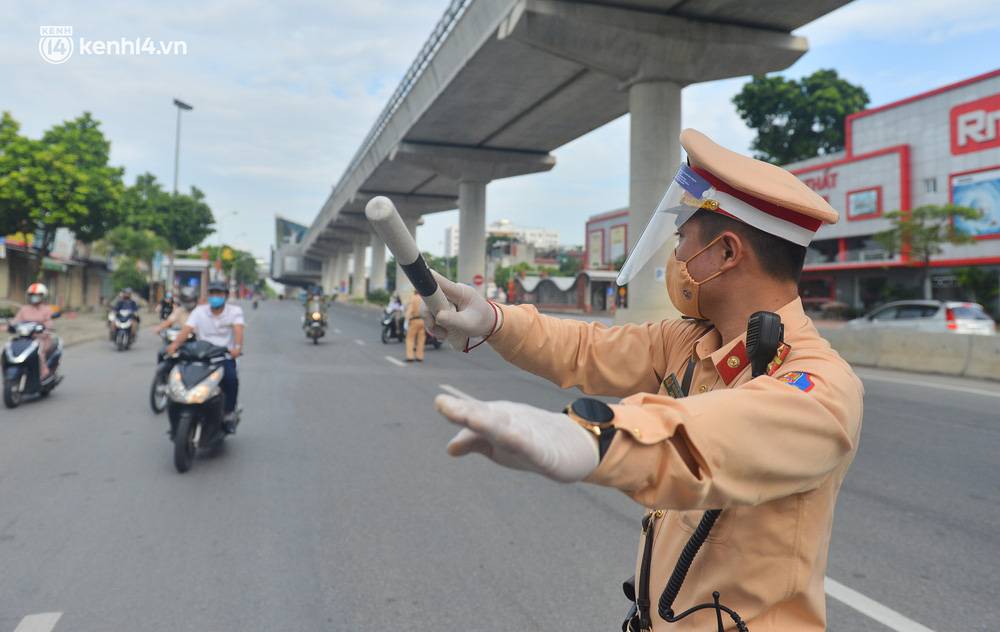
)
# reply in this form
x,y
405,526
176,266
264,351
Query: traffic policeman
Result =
x,y
416,336
696,430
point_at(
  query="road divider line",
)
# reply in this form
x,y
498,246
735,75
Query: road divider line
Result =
x,y
39,622
451,390
872,609
336,331
360,342
395,361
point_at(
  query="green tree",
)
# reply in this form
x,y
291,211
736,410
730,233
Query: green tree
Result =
x,y
923,231
980,287
445,266
186,220
137,245
127,274
60,181
569,265
796,120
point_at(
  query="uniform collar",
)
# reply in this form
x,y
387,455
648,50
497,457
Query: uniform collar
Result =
x,y
731,361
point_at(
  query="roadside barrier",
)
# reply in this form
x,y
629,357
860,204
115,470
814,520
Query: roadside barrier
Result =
x,y
923,352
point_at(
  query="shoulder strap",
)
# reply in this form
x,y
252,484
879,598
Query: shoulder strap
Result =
x,y
688,374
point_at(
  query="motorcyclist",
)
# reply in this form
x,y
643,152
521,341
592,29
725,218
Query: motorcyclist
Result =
x,y
187,300
125,302
220,324
396,307
166,306
37,311
315,303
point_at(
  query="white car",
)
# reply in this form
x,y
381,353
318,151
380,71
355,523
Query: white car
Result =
x,y
940,316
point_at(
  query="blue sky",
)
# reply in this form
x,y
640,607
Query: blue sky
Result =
x,y
285,92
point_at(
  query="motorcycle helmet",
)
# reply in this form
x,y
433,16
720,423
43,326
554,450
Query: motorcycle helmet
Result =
x,y
188,297
219,286
37,293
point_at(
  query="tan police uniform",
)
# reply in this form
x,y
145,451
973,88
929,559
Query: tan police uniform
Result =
x,y
416,332
771,451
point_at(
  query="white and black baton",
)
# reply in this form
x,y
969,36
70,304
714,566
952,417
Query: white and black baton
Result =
x,y
385,219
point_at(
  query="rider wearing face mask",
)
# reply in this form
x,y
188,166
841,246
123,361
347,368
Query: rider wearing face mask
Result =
x,y
36,311
221,324
696,429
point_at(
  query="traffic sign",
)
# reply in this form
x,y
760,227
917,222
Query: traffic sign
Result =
x,y
478,280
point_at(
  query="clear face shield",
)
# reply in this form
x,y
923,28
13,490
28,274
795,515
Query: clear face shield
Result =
x,y
688,192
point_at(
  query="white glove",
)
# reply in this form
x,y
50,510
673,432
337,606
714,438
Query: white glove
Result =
x,y
474,317
521,437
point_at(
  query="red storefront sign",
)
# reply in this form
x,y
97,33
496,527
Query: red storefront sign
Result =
x,y
975,126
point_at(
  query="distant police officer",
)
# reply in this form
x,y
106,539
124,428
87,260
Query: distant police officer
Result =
x,y
415,334
696,430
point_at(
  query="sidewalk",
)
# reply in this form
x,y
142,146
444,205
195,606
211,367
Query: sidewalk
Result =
x,y
78,327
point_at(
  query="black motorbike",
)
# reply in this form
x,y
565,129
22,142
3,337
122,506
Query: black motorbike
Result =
x,y
390,330
164,363
315,326
21,365
121,328
195,401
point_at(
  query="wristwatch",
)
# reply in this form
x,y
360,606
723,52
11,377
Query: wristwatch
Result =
x,y
594,416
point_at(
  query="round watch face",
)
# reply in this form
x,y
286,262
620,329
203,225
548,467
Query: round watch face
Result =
x,y
592,410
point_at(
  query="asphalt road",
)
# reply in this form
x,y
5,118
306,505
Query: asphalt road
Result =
x,y
335,507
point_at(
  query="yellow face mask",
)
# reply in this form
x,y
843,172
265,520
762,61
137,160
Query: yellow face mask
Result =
x,y
681,287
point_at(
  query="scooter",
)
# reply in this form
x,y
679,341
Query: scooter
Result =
x,y
164,363
315,326
389,328
21,367
122,329
195,400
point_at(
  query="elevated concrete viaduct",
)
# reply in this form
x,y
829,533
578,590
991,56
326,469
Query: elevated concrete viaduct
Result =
x,y
500,84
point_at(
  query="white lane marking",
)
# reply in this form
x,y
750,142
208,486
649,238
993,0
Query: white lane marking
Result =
x,y
457,393
960,389
336,331
872,609
38,622
395,361
360,342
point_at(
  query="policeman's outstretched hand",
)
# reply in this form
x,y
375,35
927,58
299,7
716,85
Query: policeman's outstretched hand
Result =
x,y
473,317
521,437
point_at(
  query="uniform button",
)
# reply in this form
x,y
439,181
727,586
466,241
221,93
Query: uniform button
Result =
x,y
702,388
637,433
733,362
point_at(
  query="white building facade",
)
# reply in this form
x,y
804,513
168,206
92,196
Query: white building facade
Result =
x,y
935,148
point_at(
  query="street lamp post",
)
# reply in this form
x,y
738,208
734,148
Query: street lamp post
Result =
x,y
177,156
177,150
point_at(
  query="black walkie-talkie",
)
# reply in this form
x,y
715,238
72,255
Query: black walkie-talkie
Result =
x,y
764,333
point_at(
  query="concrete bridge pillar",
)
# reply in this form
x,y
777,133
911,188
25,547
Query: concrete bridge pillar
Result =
x,y
472,232
378,263
358,288
655,154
